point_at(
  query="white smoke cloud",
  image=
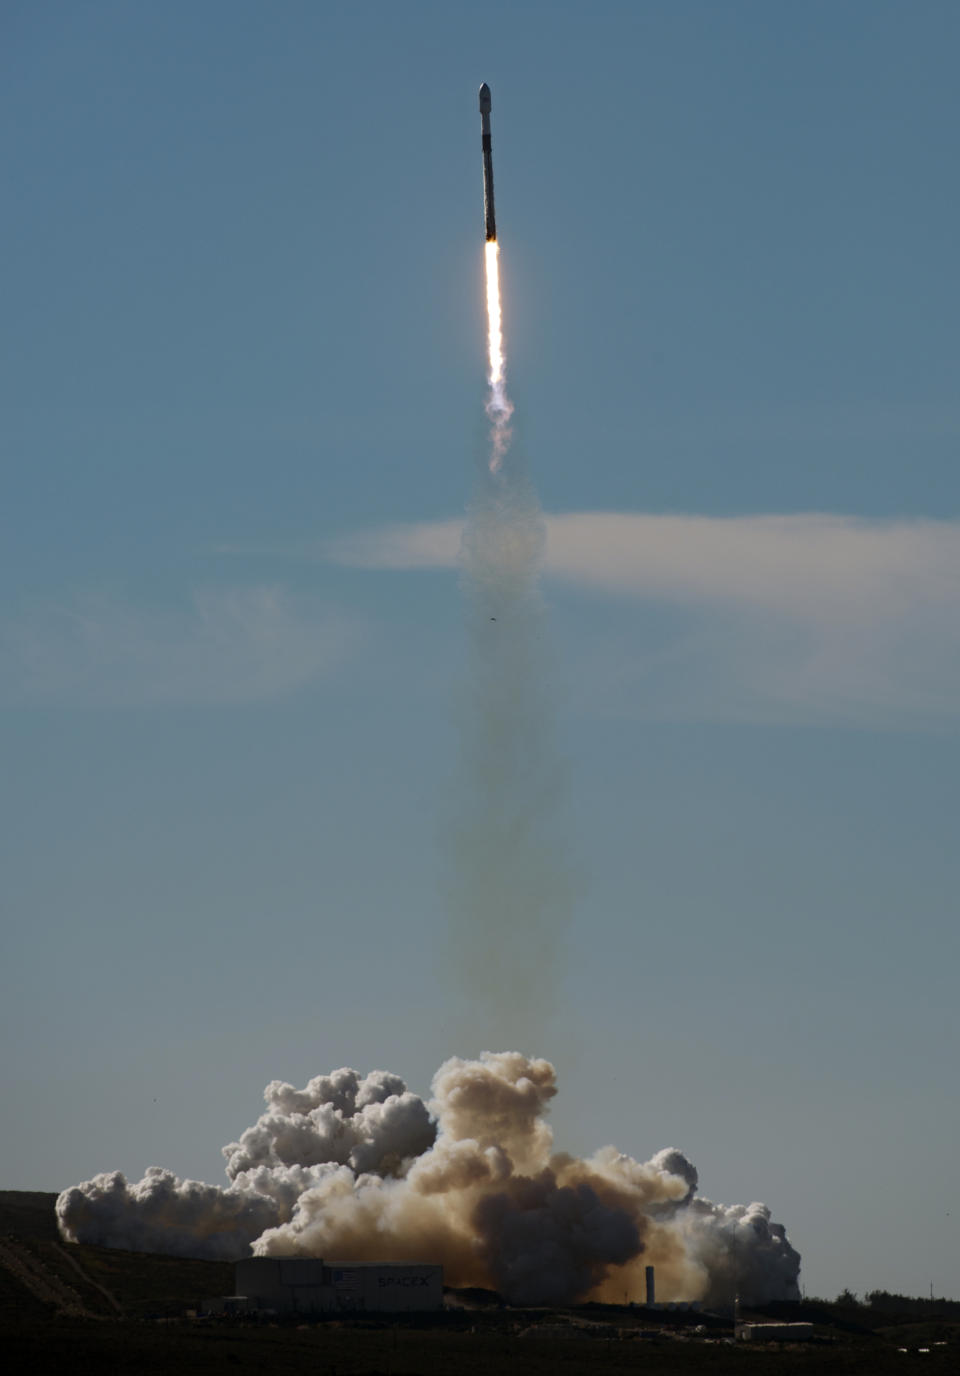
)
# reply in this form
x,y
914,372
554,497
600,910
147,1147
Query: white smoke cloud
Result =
x,y
740,1249
162,1213
359,1169
372,1124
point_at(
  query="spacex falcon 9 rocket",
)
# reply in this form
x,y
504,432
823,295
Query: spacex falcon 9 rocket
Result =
x,y
489,215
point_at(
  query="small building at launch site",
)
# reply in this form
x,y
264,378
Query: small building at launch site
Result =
x,y
304,1285
775,1332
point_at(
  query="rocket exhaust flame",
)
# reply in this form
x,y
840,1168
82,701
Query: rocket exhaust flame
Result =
x,y
494,315
499,407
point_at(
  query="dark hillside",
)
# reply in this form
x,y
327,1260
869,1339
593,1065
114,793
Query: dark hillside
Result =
x,y
102,1282
38,1270
142,1284
29,1214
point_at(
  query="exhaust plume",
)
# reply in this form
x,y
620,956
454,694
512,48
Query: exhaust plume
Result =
x,y
509,890
359,1169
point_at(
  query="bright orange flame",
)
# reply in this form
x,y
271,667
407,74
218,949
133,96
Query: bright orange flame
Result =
x,y
494,323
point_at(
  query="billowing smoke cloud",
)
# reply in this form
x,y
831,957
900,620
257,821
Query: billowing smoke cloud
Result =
x,y
162,1213
371,1125
355,1169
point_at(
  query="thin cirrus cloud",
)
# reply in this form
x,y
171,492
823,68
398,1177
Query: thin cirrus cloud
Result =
x,y
224,645
771,617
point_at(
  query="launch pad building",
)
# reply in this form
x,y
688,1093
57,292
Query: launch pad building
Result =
x,y
303,1285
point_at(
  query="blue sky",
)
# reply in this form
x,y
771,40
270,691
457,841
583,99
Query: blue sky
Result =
x,y
243,400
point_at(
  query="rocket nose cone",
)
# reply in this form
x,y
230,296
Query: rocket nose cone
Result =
x,y
485,103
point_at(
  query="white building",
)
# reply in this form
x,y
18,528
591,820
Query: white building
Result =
x,y
302,1285
775,1332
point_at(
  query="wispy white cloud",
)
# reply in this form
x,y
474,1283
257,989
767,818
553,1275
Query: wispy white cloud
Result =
x,y
418,545
816,565
777,617
225,645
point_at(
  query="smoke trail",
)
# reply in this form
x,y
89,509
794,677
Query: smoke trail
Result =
x,y
510,889
355,1169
